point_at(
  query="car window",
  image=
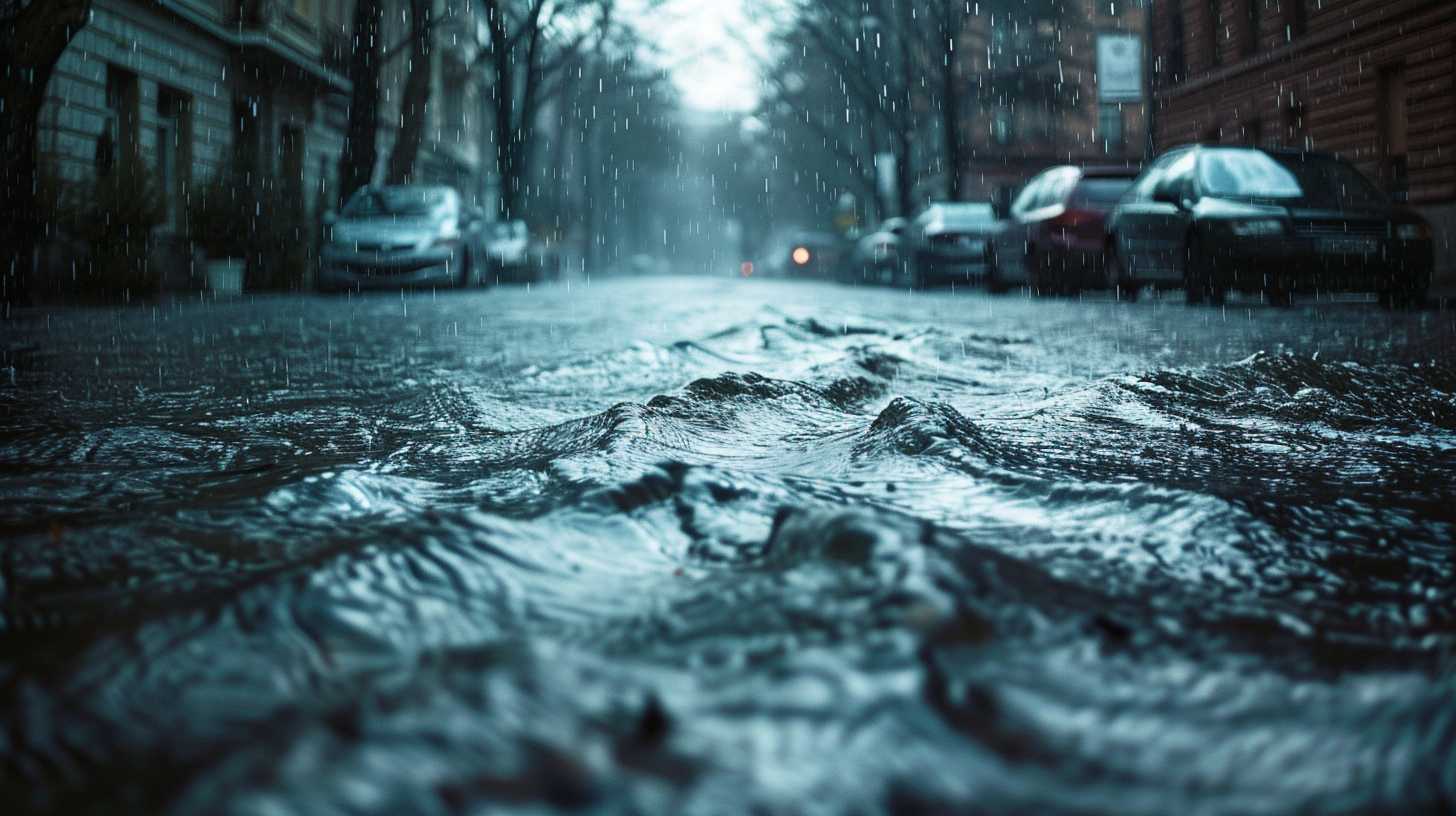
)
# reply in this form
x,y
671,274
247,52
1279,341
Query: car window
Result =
x,y
1099,193
1178,178
1025,201
1329,182
1058,187
1142,189
1245,174
1144,186
1046,191
398,201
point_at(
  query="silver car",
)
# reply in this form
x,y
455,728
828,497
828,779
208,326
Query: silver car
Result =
x,y
398,237
951,243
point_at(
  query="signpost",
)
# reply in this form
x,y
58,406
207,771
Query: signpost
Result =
x,y
1119,68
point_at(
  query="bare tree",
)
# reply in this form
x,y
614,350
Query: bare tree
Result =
x,y
415,101
361,140
33,36
847,74
946,19
530,43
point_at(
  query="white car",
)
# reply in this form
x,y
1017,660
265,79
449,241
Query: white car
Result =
x,y
879,256
508,244
401,236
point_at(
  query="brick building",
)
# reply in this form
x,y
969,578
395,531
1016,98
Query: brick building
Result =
x,y
1055,83
1373,81
190,86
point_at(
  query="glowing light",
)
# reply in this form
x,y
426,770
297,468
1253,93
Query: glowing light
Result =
x,y
801,256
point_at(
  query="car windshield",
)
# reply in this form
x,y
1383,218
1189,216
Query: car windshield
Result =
x,y
396,201
1101,193
1246,174
965,214
1331,183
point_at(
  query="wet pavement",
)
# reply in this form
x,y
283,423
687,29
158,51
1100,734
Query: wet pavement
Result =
x,y
719,546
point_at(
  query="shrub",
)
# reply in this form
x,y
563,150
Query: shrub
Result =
x,y
241,214
112,217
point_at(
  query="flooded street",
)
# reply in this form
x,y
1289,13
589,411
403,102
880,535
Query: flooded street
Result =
x,y
727,546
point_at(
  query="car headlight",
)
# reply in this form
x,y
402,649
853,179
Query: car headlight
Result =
x,y
1413,232
1260,228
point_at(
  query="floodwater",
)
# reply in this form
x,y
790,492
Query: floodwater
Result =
x,y
693,546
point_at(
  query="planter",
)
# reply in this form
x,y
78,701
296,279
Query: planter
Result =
x,y
225,276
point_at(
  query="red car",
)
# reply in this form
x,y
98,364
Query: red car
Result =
x,y
1053,236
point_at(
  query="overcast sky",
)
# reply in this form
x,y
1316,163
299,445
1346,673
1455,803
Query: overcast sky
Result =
x,y
711,46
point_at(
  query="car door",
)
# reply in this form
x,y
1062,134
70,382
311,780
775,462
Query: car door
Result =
x,y
1140,218
1012,243
1169,216
1050,203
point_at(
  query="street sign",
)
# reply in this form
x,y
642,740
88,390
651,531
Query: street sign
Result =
x,y
1119,68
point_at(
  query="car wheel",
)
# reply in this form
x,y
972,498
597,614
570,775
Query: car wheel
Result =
x,y
1200,276
917,271
994,284
1123,287
1195,286
466,271
1036,273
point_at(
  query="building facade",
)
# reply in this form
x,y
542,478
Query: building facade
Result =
x,y
1053,83
1373,81
194,87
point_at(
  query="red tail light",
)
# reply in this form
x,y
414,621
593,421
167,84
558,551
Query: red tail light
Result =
x,y
1072,219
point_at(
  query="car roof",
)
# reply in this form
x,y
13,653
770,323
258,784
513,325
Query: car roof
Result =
x,y
1272,151
1110,171
944,208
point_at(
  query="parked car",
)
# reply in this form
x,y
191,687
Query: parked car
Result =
x,y
508,250
805,254
878,256
1212,219
401,236
1052,238
951,243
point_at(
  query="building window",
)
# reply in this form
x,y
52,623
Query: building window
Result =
x,y
1110,125
290,166
123,120
1177,56
1253,25
1292,111
452,108
1294,18
174,150
251,118
1254,133
1215,26
1394,128
1003,127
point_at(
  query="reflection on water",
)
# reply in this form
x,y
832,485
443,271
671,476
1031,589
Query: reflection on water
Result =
x,y
704,547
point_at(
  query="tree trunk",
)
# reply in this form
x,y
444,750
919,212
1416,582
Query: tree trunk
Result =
x,y
526,116
361,141
31,44
414,106
904,131
950,102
